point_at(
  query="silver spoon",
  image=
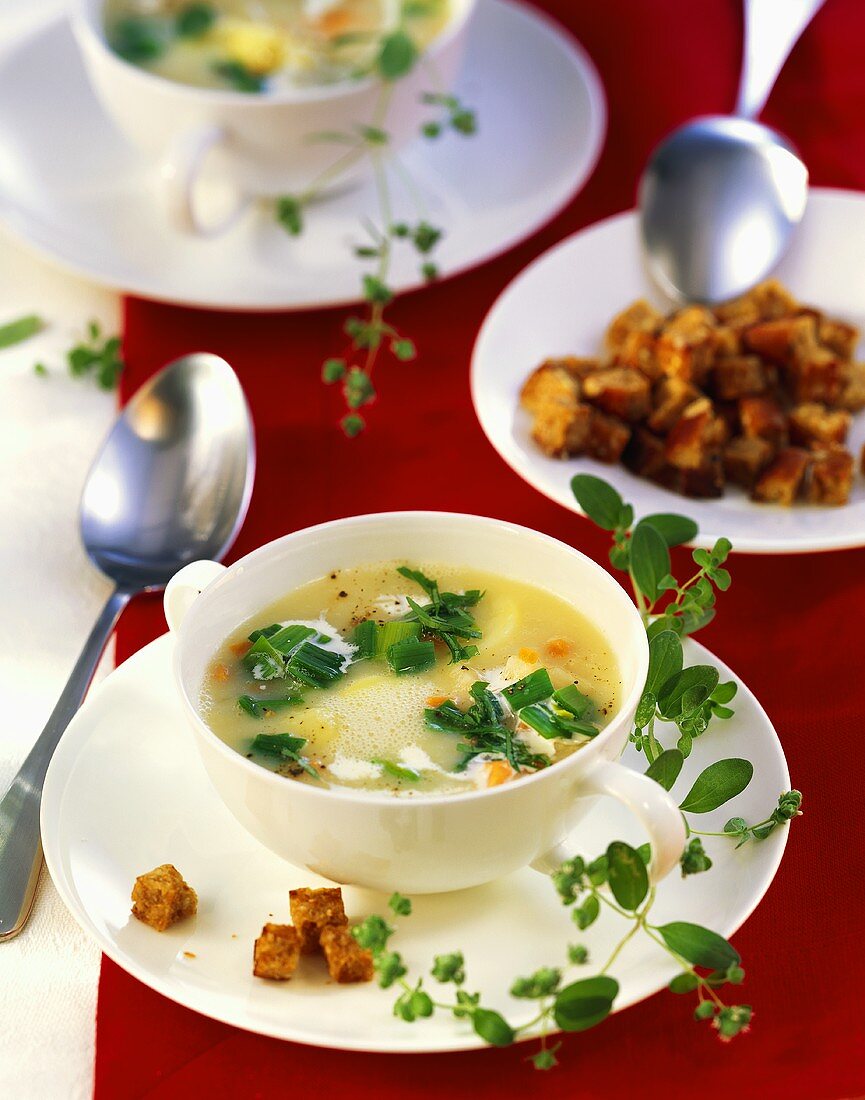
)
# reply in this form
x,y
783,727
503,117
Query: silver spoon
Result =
x,y
171,484
721,196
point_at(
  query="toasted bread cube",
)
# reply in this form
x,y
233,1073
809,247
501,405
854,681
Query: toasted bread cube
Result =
x,y
738,314
346,960
703,482
838,337
638,317
773,299
671,397
314,910
782,479
607,437
637,352
818,375
619,391
853,395
645,455
763,418
551,383
814,423
686,345
276,953
162,898
728,341
745,458
735,376
831,476
562,430
782,340
695,435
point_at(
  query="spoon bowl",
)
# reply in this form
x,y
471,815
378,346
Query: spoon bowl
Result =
x,y
171,484
172,481
719,202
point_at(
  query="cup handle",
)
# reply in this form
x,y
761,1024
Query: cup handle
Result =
x,y
651,805
185,587
179,172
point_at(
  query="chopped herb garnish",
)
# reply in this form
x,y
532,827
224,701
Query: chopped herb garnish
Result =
x,y
194,20
137,38
288,638
398,771
550,722
365,638
265,632
411,655
533,688
258,708
445,617
317,667
573,700
286,746
238,76
264,661
393,633
22,329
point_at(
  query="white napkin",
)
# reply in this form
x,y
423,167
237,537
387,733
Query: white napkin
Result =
x,y
50,595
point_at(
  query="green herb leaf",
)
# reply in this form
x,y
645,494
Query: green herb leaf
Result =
x,y
194,20
627,875
649,560
14,332
400,904
666,767
403,349
289,214
373,933
398,771
352,424
665,660
238,77
699,946
411,656
332,370
683,983
585,1003
600,501
137,39
449,968
716,785
492,1027
396,56
672,528
587,913
690,688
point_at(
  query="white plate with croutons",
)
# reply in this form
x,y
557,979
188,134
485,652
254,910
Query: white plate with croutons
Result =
x,y
746,418
127,798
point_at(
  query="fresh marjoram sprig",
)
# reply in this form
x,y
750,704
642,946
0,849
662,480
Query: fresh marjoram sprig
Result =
x,y
370,333
616,883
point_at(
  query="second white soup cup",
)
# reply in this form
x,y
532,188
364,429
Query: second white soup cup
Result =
x,y
421,844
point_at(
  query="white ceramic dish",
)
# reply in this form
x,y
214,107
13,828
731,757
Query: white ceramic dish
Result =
x,y
421,845
561,304
126,791
80,196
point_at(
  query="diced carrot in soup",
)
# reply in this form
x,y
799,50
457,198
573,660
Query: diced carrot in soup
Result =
x,y
558,647
498,772
530,656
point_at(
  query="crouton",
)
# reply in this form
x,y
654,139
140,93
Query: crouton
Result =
x,y
551,383
638,317
645,455
818,375
782,479
838,337
745,458
162,898
703,482
671,397
695,435
314,910
735,376
686,345
728,341
814,423
637,352
607,437
276,952
619,391
738,314
773,299
346,960
831,476
781,340
561,430
853,395
763,418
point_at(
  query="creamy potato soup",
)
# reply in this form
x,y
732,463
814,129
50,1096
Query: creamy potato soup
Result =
x,y
411,680
264,45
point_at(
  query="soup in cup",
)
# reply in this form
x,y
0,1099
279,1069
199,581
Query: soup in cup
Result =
x,y
416,701
242,103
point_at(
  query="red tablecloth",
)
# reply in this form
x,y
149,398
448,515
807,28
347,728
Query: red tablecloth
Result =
x,y
792,626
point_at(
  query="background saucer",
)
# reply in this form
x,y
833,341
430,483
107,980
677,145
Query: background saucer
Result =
x,y
79,195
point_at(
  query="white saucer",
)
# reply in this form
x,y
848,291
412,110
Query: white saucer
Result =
x,y
126,792
79,195
561,303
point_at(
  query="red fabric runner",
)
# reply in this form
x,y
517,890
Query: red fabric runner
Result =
x,y
791,626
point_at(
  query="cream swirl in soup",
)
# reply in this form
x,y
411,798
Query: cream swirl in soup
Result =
x,y
409,680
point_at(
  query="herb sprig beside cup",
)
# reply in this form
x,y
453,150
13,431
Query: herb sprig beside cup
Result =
x,y
615,884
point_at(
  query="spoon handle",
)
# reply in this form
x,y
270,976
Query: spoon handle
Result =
x,y
20,847
772,29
